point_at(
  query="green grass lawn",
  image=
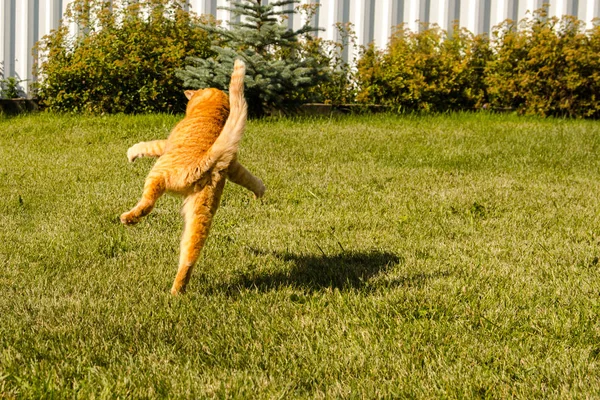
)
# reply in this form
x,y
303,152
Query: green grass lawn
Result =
x,y
441,256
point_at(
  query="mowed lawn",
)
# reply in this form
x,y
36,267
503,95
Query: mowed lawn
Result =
x,y
447,256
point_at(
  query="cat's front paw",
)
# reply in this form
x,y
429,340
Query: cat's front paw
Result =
x,y
132,154
129,218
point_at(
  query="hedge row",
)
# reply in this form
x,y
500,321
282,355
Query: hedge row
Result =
x,y
542,65
127,62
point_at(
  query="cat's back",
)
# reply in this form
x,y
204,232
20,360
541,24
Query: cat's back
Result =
x,y
204,121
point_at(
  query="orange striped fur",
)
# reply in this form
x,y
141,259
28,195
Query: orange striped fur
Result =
x,y
195,161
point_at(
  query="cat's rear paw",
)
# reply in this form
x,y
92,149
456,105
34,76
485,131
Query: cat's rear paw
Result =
x,y
178,288
176,292
129,219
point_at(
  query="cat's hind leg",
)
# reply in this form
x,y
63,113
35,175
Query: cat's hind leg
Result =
x,y
238,174
154,187
198,211
155,148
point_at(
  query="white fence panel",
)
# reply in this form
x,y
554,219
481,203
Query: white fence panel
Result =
x,y
24,22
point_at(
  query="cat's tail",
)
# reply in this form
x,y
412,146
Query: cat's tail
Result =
x,y
224,149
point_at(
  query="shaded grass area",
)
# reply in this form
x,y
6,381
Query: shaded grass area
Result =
x,y
442,256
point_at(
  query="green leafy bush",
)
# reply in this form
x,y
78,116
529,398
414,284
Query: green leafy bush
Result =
x,y
425,71
546,66
542,65
123,60
9,88
339,85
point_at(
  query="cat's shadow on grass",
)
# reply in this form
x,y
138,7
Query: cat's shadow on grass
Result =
x,y
314,272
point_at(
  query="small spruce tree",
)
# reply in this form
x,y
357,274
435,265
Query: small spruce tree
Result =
x,y
279,70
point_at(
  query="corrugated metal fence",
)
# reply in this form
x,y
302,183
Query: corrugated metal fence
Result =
x,y
23,22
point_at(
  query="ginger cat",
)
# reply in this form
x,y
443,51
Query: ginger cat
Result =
x,y
195,161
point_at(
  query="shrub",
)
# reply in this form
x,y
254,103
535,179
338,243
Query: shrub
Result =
x,y
339,87
123,60
546,66
9,88
425,71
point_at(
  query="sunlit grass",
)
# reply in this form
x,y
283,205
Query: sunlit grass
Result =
x,y
435,256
